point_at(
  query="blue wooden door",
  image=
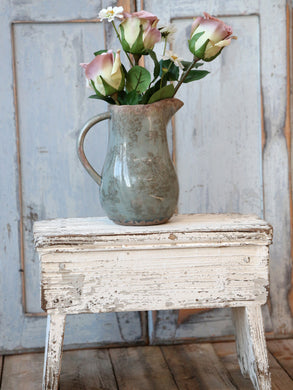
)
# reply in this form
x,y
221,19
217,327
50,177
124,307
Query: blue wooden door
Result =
x,y
43,104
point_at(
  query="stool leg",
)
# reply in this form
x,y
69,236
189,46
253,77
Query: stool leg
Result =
x,y
53,352
251,345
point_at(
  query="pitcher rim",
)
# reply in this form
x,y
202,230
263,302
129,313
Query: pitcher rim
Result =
x,y
145,106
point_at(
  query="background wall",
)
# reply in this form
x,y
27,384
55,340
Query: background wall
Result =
x,y
231,144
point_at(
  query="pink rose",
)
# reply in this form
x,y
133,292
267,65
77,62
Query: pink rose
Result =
x,y
138,32
209,36
105,71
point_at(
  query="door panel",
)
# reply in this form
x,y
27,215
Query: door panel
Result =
x,y
43,104
231,147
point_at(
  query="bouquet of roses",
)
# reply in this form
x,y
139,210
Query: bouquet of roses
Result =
x,y
138,33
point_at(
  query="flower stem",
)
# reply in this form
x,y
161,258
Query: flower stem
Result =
x,y
118,36
184,74
164,74
115,98
165,46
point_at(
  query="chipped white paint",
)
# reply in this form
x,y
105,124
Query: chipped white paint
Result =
x,y
54,342
251,345
90,265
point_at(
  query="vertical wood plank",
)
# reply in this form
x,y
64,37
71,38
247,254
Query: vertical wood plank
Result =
x,y
276,170
23,371
197,367
141,367
87,369
53,352
251,345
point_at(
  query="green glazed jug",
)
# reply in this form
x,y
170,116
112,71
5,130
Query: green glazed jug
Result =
x,y
138,184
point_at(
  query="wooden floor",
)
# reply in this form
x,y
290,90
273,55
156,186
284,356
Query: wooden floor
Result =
x,y
188,367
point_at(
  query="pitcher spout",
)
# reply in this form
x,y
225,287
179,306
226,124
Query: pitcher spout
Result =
x,y
169,106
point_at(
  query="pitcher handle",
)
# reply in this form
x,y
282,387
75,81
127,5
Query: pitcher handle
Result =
x,y
80,141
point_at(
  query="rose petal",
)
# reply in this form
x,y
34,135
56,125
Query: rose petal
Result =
x,y
223,43
150,37
100,64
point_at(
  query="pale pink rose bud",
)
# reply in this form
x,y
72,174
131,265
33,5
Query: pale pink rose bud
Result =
x,y
138,32
209,36
105,71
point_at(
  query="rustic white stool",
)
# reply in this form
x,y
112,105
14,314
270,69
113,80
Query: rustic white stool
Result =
x,y
91,265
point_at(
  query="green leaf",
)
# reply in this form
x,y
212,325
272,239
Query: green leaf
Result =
x,y
101,97
169,70
186,64
156,63
97,53
195,75
163,93
138,79
132,98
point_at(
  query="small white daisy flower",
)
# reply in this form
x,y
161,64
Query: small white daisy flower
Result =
x,y
111,13
170,55
168,32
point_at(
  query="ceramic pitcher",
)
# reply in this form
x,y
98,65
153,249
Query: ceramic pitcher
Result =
x,y
138,184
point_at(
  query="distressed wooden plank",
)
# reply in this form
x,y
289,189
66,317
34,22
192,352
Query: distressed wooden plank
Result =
x,y
197,367
189,9
141,367
282,350
251,345
53,352
23,371
179,223
276,160
280,379
182,367
96,281
228,356
62,194
87,369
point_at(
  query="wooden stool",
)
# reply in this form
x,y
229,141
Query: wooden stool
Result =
x,y
194,261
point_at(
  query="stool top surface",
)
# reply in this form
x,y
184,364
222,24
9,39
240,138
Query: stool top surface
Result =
x,y
47,231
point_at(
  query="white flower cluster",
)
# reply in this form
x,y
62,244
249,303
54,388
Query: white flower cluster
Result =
x,y
111,13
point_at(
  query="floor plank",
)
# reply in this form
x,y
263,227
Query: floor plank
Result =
x,y
280,378
228,355
87,369
282,350
196,366
142,368
23,372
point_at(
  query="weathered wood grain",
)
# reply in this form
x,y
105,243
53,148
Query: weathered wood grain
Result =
x,y
53,352
207,372
228,356
276,159
141,367
282,350
23,372
44,103
182,367
280,379
251,345
95,281
87,369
